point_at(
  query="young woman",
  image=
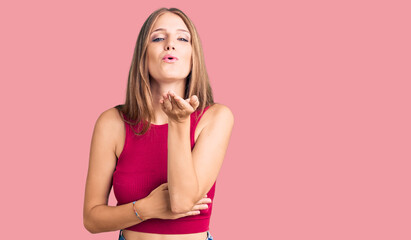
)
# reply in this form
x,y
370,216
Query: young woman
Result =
x,y
163,149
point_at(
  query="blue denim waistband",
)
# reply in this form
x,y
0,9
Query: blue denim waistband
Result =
x,y
121,237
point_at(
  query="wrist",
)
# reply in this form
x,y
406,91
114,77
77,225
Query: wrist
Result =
x,y
141,208
179,122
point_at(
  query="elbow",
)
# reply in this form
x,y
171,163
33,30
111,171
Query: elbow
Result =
x,y
179,206
89,222
89,226
182,202
179,210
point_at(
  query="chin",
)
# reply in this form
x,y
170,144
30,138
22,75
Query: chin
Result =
x,y
173,76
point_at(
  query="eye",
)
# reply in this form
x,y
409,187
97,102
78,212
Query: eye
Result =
x,y
156,39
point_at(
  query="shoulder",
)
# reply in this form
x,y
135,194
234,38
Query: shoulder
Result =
x,y
218,114
221,112
110,118
110,123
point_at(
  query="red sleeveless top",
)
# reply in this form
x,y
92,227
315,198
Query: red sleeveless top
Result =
x,y
142,167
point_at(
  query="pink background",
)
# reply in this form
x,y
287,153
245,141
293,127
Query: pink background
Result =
x,y
320,91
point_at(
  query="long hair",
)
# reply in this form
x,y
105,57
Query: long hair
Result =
x,y
138,106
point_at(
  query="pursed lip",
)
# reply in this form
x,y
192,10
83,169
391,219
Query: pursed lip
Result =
x,y
170,56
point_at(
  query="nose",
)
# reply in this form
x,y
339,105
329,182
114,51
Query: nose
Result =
x,y
169,45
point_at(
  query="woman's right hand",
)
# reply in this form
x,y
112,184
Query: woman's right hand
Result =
x,y
159,203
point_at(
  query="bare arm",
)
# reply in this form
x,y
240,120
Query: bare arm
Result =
x,y
103,218
182,178
97,215
191,174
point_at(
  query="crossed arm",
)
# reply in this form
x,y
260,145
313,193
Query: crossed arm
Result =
x,y
199,167
191,174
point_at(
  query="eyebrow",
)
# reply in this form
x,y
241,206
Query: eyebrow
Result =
x,y
162,29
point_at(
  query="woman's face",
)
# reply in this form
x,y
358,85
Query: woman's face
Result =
x,y
170,35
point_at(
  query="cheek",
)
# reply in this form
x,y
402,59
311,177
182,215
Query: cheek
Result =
x,y
151,55
187,55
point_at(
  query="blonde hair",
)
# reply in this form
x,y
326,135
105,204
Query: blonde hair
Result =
x,y
138,106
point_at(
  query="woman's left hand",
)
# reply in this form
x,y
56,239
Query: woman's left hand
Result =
x,y
178,109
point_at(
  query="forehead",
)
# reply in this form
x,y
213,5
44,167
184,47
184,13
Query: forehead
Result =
x,y
170,22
